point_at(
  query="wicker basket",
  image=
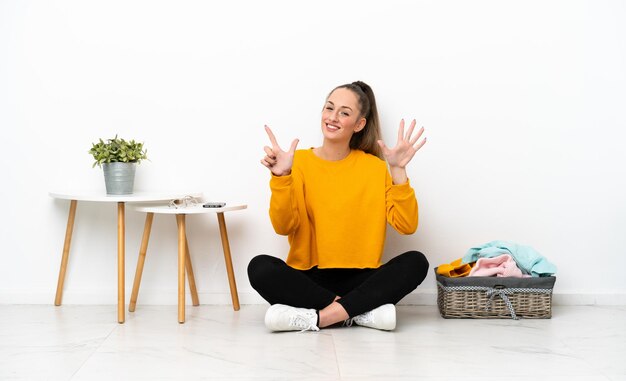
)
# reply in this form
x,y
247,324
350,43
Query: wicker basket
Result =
x,y
495,297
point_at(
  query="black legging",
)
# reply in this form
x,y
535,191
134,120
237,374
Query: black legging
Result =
x,y
361,290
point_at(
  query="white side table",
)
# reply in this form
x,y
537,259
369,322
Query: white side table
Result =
x,y
121,201
184,259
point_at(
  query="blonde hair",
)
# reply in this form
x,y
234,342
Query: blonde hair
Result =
x,y
367,139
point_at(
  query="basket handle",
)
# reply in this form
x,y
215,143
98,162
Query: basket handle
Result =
x,y
502,292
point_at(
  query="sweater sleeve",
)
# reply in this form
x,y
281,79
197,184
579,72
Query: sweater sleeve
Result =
x,y
283,204
402,210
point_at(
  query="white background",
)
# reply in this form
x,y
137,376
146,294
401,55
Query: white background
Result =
x,y
523,104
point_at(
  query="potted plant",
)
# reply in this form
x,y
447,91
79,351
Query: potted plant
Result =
x,y
118,159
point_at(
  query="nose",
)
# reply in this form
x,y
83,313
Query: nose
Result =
x,y
333,116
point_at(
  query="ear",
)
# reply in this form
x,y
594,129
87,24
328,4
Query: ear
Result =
x,y
360,125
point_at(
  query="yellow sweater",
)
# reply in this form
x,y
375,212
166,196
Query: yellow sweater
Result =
x,y
335,212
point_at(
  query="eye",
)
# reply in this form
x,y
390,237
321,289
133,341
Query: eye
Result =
x,y
329,108
344,113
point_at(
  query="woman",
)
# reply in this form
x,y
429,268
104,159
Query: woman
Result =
x,y
333,203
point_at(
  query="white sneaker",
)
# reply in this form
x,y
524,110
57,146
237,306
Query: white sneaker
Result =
x,y
280,317
383,317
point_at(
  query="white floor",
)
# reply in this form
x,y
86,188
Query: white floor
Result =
x,y
86,343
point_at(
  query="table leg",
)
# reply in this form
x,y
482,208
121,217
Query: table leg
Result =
x,y
66,252
190,277
228,260
120,261
140,261
180,219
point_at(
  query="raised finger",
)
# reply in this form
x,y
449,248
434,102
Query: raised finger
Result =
x,y
401,131
382,145
416,137
420,145
410,131
272,137
294,144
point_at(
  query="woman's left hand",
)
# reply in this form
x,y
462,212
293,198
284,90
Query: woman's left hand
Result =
x,y
406,147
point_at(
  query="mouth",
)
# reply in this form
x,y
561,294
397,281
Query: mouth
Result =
x,y
332,128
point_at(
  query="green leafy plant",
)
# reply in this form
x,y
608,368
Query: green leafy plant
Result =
x,y
117,150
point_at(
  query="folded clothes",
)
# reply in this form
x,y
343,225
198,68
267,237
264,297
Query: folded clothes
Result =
x,y
455,269
527,259
502,265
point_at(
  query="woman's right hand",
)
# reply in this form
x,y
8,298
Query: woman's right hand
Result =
x,y
277,160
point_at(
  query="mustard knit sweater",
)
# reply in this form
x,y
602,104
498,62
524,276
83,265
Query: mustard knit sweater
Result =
x,y
335,212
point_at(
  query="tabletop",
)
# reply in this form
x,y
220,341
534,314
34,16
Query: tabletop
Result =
x,y
191,209
101,196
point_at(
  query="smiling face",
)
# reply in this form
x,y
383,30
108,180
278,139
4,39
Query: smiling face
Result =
x,y
341,116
